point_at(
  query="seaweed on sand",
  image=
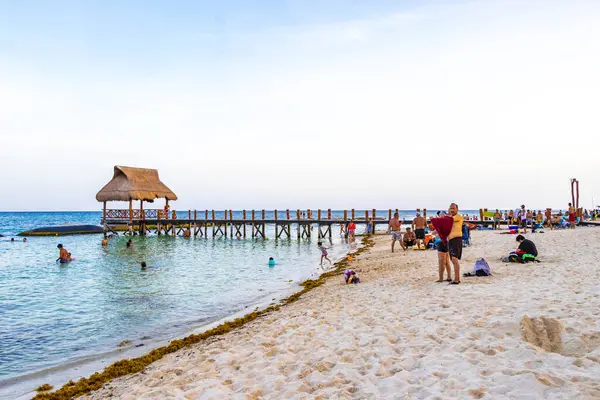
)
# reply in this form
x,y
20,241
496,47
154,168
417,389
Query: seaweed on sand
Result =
x,y
134,365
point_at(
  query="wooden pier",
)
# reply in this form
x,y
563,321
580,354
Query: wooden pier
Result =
x,y
252,223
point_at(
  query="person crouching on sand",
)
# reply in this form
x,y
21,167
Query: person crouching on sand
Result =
x,y
455,241
409,239
323,252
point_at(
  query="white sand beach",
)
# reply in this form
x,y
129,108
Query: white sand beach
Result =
x,y
401,335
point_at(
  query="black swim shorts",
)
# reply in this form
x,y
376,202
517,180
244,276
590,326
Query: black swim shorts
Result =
x,y
441,247
409,243
420,233
455,247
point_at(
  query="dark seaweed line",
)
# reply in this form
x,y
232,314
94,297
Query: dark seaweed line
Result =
x,y
131,366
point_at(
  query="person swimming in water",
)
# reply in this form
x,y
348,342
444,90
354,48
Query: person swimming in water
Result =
x,y
63,256
129,244
144,266
323,252
271,262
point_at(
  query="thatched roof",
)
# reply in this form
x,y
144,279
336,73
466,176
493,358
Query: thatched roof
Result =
x,y
130,183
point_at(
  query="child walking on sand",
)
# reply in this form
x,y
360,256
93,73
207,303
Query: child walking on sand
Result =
x,y
323,252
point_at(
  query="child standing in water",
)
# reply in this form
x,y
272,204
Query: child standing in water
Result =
x,y
323,252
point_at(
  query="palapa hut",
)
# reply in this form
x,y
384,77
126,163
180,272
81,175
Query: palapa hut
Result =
x,y
128,184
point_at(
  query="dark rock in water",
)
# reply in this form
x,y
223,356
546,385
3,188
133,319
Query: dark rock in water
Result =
x,y
63,230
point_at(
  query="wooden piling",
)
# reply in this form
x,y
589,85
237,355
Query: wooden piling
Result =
x,y
390,214
244,226
329,213
345,215
212,213
352,213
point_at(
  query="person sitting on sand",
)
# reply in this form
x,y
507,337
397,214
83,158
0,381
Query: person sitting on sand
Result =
x,y
526,246
63,255
394,227
418,226
129,244
409,239
323,252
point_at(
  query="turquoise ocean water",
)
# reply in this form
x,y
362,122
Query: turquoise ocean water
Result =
x,y
54,316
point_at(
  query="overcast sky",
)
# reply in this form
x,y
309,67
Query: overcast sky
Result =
x,y
301,103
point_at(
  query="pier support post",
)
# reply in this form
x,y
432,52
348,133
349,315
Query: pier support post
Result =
x,y
244,224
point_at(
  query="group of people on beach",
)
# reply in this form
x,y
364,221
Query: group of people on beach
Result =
x,y
448,240
449,245
524,218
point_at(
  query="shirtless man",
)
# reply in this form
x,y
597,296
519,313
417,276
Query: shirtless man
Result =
x,y
408,240
63,255
418,226
572,217
395,229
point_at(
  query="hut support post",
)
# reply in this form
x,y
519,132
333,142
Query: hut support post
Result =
x,y
142,226
130,216
104,214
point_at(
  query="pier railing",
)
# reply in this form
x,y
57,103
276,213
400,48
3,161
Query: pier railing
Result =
x,y
132,214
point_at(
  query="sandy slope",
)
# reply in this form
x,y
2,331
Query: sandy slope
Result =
x,y
401,335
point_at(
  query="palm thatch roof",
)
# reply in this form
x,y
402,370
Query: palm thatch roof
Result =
x,y
130,183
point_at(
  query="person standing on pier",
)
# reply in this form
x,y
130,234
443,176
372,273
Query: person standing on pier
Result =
x,y
455,245
418,227
395,229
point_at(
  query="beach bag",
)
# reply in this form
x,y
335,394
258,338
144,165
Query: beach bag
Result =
x,y
482,268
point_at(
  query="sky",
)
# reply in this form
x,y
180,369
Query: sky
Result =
x,y
301,103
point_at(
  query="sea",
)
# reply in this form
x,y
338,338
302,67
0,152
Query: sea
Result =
x,y
63,321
